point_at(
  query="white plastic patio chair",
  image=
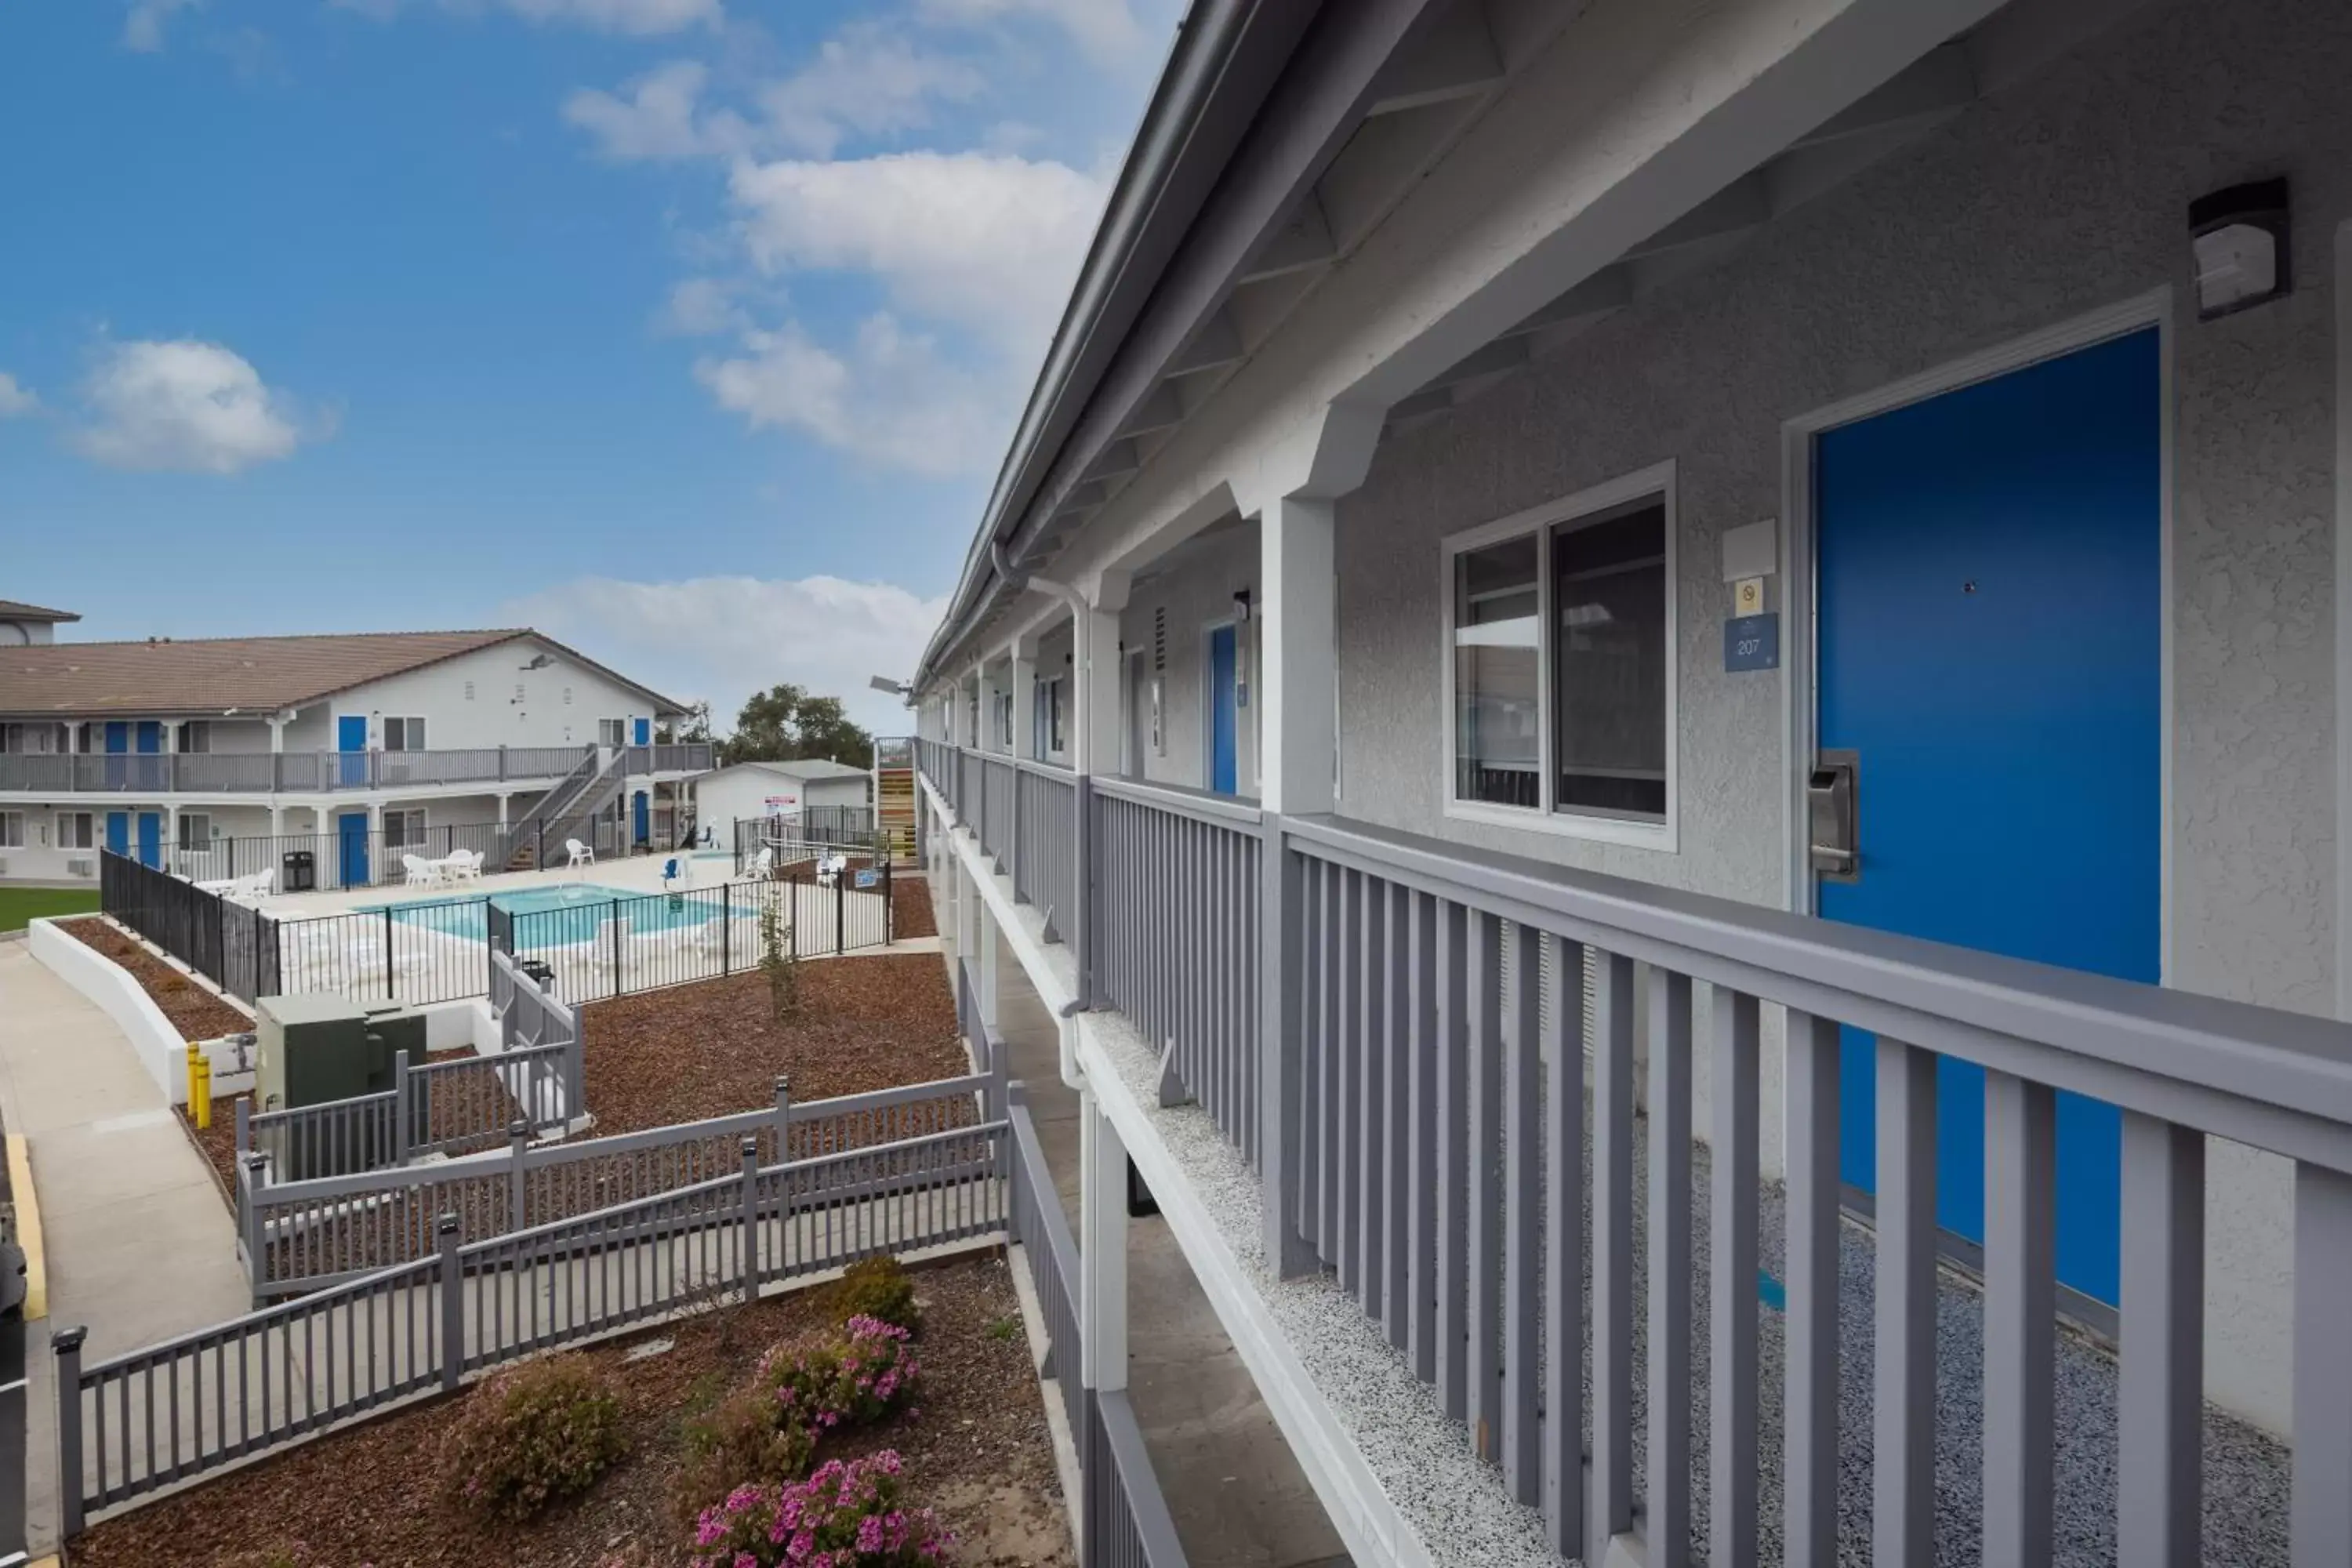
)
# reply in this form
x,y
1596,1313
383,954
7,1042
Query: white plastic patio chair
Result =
x,y
829,868
763,866
582,855
464,865
421,873
249,888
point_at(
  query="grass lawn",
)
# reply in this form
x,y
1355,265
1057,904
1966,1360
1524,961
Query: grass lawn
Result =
x,y
18,905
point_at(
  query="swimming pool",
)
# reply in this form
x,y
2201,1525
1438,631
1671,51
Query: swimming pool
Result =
x,y
559,917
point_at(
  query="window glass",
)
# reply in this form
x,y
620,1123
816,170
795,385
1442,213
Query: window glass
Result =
x,y
12,830
1497,750
1609,679
74,830
195,830
196,735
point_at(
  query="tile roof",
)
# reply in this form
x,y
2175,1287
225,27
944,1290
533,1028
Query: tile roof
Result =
x,y
212,675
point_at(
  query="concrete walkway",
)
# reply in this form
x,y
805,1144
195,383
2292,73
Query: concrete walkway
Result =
x,y
139,1246
1233,1486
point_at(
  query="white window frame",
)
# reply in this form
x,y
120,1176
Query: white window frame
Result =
x,y
1548,817
409,724
85,839
613,732
410,815
12,830
196,737
187,840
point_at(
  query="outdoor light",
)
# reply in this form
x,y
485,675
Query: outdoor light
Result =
x,y
2239,237
1241,606
883,683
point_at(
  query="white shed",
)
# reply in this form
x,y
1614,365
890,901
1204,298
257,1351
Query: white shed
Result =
x,y
726,796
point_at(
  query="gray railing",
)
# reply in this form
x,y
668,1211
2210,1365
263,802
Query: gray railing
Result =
x,y
265,773
1176,944
530,829
1045,843
1122,1518
1395,1182
303,1235
670,757
169,1412
460,1105
995,820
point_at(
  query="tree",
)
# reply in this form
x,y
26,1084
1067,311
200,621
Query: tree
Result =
x,y
785,723
691,726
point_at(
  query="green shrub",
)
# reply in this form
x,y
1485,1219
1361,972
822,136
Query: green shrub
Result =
x,y
742,1442
877,1287
535,1433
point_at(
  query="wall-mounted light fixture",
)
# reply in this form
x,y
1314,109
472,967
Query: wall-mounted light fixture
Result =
x,y
2239,238
1242,607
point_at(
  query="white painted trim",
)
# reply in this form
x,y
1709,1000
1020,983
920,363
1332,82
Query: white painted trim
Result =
x,y
1545,818
2344,619
1800,686
158,1045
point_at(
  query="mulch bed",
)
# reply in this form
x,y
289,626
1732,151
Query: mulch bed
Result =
x,y
715,1047
980,1453
196,1012
910,906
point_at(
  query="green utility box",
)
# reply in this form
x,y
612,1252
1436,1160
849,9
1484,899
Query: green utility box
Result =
x,y
312,1049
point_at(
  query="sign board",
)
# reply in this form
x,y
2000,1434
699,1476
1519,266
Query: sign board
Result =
x,y
868,879
1752,642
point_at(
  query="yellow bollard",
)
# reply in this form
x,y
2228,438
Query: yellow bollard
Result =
x,y
200,1087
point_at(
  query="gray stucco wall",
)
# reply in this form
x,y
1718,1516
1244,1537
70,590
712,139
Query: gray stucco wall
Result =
x,y
1196,589
2064,195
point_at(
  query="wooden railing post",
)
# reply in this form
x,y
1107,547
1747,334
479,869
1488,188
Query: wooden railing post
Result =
x,y
747,1248
1279,998
451,1283
66,1344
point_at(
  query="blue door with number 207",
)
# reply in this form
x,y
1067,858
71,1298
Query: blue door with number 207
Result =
x,y
1990,644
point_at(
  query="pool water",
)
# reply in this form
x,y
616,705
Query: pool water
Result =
x,y
559,917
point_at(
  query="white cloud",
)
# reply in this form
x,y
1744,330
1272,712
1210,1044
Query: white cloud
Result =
x,y
866,81
659,118
142,29
699,307
16,399
723,639
1104,28
193,407
639,17
986,241
888,395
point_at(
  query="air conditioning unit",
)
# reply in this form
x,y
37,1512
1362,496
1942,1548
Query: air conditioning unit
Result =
x,y
85,867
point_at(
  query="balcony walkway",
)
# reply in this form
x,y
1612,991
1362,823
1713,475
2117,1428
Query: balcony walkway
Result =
x,y
1231,1484
1458,1507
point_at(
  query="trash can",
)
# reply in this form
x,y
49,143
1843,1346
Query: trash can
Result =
x,y
300,872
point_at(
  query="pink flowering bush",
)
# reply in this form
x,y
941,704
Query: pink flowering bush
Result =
x,y
870,1373
848,1515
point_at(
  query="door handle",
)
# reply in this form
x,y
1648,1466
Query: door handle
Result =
x,y
1831,828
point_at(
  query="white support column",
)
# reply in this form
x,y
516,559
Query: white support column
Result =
x,y
1022,659
1095,715
1298,628
984,964
277,820
1102,1248
504,799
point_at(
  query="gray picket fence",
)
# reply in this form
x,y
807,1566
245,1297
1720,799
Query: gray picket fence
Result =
x,y
167,1413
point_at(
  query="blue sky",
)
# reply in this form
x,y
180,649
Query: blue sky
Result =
x,y
690,330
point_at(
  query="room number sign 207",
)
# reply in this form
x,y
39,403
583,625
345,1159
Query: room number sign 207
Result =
x,y
1752,642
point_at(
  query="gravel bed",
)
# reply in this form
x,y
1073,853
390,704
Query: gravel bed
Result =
x,y
980,1452
195,1012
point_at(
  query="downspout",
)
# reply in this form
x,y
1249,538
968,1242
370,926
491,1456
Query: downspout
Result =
x,y
1081,927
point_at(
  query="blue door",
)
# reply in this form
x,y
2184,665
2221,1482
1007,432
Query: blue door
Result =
x,y
1990,649
641,811
350,740
118,744
351,827
151,839
118,832
1222,768
644,731
149,741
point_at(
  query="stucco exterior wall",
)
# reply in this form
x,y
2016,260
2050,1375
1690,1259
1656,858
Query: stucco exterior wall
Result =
x,y
2066,195
1196,591
558,705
